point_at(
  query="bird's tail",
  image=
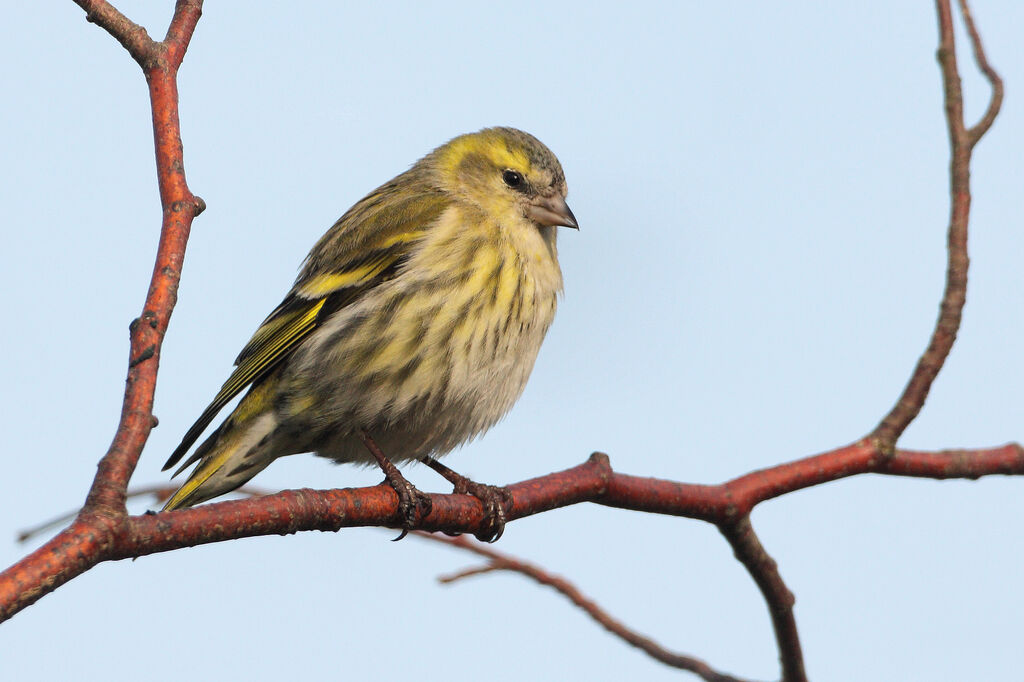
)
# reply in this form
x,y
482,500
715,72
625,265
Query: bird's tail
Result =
x,y
232,455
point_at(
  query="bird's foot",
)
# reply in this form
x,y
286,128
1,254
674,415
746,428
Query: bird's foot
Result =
x,y
413,504
496,500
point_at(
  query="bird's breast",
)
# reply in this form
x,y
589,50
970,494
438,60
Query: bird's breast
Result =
x,y
445,348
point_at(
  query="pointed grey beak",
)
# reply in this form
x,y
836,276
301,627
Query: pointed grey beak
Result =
x,y
551,211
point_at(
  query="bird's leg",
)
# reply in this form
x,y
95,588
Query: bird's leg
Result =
x,y
497,501
412,504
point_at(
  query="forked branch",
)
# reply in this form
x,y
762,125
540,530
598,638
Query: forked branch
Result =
x,y
962,143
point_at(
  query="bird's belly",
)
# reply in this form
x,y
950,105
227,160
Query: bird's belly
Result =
x,y
423,376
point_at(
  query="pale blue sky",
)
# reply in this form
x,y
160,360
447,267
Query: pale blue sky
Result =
x,y
762,193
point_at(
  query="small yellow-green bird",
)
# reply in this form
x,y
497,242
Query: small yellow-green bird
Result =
x,y
412,327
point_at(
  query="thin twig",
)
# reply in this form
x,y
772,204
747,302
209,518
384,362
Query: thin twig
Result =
x,y
160,492
498,561
468,573
133,37
909,404
976,132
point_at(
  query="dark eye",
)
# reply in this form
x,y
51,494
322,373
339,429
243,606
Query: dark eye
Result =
x,y
513,179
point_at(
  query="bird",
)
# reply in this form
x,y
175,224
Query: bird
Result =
x,y
411,329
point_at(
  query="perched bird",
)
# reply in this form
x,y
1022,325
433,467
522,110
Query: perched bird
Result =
x,y
412,327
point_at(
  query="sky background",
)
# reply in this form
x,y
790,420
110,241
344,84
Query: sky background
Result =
x,y
762,191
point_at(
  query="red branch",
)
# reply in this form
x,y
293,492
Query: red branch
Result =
x,y
103,531
593,481
104,517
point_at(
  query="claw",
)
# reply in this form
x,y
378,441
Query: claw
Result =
x,y
496,500
413,505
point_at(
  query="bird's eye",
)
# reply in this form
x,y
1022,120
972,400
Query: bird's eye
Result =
x,y
513,179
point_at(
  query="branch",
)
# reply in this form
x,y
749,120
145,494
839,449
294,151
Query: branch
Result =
x,y
104,518
84,545
996,101
498,561
133,37
160,493
725,502
160,62
765,572
951,308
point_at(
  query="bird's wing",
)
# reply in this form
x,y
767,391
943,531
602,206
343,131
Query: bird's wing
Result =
x,y
365,247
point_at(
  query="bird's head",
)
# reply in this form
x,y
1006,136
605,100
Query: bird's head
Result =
x,y
508,174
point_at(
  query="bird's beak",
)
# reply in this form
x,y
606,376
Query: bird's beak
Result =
x,y
551,211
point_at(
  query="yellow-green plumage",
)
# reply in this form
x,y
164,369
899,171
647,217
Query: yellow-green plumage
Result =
x,y
417,317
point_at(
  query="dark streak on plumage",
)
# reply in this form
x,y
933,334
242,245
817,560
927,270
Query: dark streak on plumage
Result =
x,y
494,281
517,297
408,369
